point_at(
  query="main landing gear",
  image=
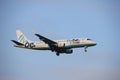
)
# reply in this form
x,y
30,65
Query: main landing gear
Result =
x,y
85,48
57,53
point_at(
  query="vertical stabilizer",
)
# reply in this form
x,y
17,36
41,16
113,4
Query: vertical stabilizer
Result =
x,y
21,37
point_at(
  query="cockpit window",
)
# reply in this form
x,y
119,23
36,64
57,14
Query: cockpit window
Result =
x,y
88,39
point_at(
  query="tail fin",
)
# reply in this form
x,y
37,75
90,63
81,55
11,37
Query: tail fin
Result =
x,y
21,37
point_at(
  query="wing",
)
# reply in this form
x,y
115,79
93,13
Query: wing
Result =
x,y
46,40
52,44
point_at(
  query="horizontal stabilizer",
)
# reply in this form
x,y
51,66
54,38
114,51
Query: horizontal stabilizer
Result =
x,y
18,43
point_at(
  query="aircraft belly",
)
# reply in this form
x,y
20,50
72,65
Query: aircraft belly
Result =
x,y
77,46
42,48
81,45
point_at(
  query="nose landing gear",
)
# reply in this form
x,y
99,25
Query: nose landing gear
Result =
x,y
85,48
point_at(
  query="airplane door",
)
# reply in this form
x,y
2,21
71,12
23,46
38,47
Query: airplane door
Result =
x,y
69,42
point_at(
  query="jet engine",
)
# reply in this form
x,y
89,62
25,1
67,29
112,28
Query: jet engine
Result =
x,y
68,51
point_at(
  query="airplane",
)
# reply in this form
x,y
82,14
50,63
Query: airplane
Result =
x,y
58,46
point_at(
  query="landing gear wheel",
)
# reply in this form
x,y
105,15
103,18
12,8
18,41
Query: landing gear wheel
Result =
x,y
57,54
85,50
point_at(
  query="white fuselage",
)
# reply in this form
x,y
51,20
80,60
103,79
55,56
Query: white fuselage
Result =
x,y
58,46
68,44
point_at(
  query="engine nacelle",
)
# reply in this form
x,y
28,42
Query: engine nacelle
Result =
x,y
68,51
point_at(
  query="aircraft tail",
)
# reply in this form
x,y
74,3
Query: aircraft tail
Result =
x,y
21,37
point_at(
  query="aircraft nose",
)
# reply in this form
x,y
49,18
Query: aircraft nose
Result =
x,y
94,43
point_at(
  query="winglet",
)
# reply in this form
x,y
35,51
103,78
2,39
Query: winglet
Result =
x,y
37,35
33,32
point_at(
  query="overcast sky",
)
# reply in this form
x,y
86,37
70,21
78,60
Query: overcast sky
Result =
x,y
61,19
